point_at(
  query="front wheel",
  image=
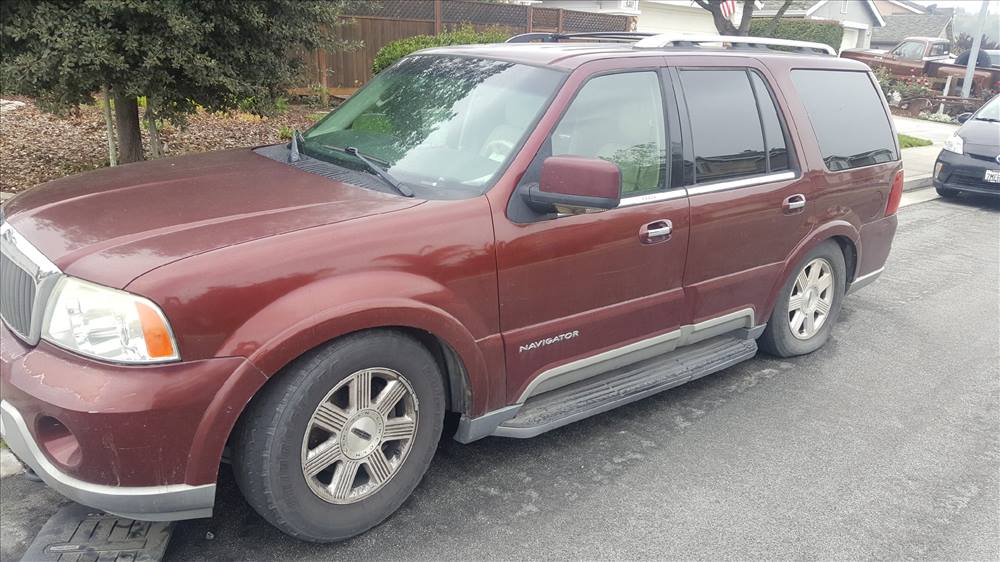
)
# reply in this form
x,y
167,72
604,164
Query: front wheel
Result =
x,y
808,305
343,436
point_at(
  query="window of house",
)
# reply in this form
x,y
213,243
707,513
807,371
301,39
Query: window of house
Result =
x,y
847,115
732,137
619,118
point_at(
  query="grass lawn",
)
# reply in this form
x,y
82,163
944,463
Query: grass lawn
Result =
x,y
906,141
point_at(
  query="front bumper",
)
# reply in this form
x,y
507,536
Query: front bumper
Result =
x,y
965,173
151,503
143,442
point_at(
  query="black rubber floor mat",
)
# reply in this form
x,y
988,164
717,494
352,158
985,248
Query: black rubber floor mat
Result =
x,y
78,533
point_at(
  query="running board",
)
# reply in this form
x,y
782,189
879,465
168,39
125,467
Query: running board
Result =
x,y
633,382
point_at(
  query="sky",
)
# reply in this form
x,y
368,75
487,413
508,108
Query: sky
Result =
x,y
971,6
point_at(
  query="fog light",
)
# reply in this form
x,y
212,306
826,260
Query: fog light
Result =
x,y
937,169
58,441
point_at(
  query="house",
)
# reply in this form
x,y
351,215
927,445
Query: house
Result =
x,y
899,27
652,16
859,17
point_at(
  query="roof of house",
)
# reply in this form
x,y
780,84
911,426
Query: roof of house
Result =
x,y
910,5
901,26
805,8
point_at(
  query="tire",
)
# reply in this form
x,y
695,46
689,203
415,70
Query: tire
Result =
x,y
946,193
779,337
283,433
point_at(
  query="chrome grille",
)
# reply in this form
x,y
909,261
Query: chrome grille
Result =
x,y
26,279
17,296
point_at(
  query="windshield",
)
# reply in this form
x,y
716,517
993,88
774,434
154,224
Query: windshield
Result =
x,y
439,122
990,111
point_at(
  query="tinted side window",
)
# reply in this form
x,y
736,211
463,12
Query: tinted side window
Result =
x,y
619,118
847,115
939,49
725,126
774,134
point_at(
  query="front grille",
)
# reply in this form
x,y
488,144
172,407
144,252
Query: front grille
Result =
x,y
27,278
17,296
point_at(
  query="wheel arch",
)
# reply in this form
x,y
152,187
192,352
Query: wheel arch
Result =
x,y
842,233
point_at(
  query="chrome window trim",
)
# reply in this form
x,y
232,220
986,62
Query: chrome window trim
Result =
x,y
675,193
742,182
40,268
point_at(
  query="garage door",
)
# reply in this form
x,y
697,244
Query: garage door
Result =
x,y
850,39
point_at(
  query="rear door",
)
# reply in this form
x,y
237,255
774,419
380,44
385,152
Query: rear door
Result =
x,y
577,288
749,203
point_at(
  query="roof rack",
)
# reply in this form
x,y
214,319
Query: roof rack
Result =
x,y
616,36
667,39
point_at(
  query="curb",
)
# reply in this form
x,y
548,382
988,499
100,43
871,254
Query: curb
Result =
x,y
918,182
9,465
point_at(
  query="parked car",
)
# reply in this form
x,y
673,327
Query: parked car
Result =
x,y
927,56
970,159
520,235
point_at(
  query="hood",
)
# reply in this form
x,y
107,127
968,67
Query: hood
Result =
x,y
981,137
112,225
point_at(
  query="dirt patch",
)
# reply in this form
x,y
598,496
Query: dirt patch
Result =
x,y
36,146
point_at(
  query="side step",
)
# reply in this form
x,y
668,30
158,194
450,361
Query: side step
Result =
x,y
630,383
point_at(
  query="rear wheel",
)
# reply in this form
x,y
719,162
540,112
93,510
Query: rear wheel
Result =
x,y
342,438
808,305
946,193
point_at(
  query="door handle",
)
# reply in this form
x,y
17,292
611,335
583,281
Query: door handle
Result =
x,y
793,204
656,231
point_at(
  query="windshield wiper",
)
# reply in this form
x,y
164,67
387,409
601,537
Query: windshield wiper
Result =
x,y
987,119
382,174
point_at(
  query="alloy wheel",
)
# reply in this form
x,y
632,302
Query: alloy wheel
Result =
x,y
359,435
812,299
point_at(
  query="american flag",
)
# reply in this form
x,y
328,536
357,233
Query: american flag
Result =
x,y
728,8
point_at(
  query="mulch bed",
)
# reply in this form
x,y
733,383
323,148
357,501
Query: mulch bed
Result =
x,y
36,146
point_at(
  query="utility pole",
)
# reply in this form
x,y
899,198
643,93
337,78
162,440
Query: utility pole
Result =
x,y
974,53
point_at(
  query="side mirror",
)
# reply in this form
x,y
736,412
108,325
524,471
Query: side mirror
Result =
x,y
963,117
574,181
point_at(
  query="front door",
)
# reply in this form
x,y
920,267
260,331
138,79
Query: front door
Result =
x,y
573,286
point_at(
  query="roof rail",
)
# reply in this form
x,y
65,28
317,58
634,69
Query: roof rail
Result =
x,y
617,36
668,39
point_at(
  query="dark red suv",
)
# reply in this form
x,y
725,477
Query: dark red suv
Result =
x,y
522,235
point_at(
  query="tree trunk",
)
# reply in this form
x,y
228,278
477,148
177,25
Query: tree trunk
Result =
x,y
773,24
109,126
127,122
155,146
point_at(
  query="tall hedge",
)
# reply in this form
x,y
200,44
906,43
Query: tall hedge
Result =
x,y
817,31
465,35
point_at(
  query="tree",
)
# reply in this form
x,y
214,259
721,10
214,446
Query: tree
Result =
x,y
176,54
726,27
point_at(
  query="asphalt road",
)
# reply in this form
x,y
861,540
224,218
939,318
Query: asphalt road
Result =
x,y
884,444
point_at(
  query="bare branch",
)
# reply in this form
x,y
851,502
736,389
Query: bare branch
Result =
x,y
773,24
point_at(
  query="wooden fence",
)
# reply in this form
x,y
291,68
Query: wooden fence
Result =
x,y
376,24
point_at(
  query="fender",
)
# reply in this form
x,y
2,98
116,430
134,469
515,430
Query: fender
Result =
x,y
336,306
819,235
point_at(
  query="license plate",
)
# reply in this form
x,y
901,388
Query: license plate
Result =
x,y
992,176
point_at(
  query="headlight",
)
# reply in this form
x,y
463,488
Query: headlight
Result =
x,y
954,144
107,324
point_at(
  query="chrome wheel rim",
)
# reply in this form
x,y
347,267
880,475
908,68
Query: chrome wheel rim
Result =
x,y
812,299
359,435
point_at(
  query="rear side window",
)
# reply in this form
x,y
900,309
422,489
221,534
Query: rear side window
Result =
x,y
731,138
847,116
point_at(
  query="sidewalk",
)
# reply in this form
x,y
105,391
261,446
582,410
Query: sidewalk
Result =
x,y
918,162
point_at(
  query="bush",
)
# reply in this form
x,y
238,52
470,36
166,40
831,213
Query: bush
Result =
x,y
817,31
465,35
906,141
